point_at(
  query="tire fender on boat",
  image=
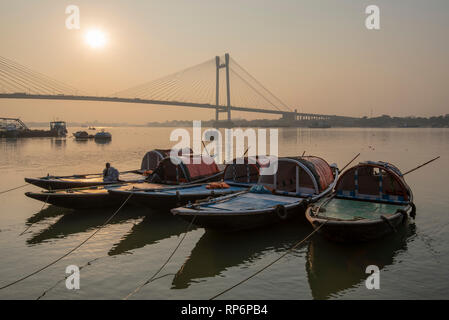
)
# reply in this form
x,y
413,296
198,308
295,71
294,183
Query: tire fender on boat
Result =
x,y
404,214
281,212
178,198
413,212
388,222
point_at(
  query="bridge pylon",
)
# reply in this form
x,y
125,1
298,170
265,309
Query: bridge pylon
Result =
x,y
219,108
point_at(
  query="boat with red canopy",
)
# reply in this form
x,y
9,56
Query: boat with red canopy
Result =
x,y
370,201
149,163
94,197
238,176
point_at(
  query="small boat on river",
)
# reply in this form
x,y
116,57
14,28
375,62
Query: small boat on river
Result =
x,y
103,136
149,163
200,171
370,201
277,197
82,135
94,197
101,196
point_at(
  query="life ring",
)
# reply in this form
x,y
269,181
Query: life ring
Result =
x,y
281,212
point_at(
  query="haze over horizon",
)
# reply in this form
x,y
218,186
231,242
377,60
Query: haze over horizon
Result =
x,y
316,57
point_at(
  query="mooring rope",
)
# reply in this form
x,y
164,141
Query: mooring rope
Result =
x,y
65,278
72,250
23,185
271,263
163,265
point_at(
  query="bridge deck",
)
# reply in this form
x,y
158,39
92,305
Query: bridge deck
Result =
x,y
161,102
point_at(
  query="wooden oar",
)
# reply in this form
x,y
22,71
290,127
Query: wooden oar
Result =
x,y
422,165
341,170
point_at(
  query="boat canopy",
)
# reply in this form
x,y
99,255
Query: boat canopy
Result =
x,y
185,169
242,170
152,158
304,176
377,181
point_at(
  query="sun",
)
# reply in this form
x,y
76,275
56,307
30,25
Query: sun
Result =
x,y
95,38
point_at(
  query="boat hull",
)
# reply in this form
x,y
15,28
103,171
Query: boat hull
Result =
x,y
165,201
59,185
358,230
76,200
242,220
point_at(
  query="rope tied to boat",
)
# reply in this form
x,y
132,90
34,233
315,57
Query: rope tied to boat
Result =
x,y
21,186
71,250
271,263
65,278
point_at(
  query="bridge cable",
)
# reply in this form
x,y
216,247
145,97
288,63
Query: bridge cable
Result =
x,y
260,94
34,78
260,84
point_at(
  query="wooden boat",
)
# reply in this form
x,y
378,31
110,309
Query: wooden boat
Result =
x,y
80,180
149,162
199,171
96,197
279,196
370,201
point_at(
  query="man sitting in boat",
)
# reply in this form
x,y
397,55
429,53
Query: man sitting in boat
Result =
x,y
110,173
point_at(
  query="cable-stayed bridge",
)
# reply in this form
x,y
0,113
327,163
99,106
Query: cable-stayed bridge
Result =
x,y
220,84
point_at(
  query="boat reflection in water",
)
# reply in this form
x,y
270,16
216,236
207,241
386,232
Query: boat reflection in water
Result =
x,y
152,229
58,143
74,221
216,252
46,213
102,141
333,267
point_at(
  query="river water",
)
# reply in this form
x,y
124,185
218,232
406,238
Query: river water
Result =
x,y
413,263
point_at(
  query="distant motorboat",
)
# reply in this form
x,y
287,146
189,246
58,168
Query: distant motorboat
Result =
x,y
11,131
103,135
81,135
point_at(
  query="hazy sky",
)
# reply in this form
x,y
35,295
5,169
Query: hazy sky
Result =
x,y
317,56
